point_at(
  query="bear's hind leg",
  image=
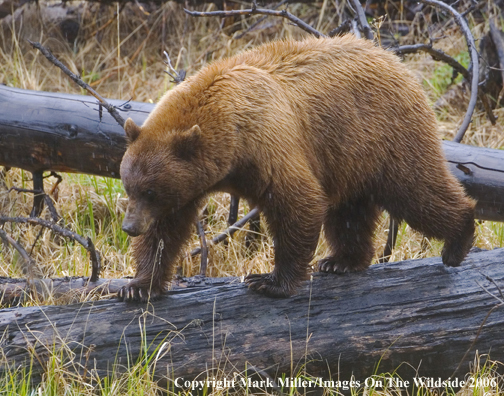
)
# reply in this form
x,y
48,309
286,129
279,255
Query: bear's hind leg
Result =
x,y
349,230
441,211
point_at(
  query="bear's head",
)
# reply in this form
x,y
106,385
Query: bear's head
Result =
x,y
161,174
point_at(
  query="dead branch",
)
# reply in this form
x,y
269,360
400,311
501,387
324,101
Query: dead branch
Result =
x,y
47,199
442,56
498,39
343,28
178,76
473,7
28,263
253,26
230,231
86,243
473,66
75,78
436,54
259,11
203,248
361,20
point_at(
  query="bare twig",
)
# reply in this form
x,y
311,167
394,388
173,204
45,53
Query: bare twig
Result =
x,y
345,27
391,240
234,205
38,195
203,248
111,109
361,20
230,231
498,40
253,26
262,11
46,198
491,280
474,65
436,55
85,242
473,7
178,77
28,263
355,28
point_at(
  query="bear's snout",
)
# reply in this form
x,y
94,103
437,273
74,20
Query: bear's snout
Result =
x,y
137,219
130,229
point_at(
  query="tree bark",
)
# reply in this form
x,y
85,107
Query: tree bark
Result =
x,y
416,316
41,131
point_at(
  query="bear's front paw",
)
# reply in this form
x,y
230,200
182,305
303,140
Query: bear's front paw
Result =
x,y
268,284
135,291
340,265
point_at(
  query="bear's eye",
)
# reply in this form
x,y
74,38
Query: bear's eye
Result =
x,y
150,195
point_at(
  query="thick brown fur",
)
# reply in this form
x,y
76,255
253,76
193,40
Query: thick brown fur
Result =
x,y
317,133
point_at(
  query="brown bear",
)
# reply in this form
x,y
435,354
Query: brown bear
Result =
x,y
320,132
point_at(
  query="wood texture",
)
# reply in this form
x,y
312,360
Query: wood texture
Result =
x,y
416,311
42,131
481,171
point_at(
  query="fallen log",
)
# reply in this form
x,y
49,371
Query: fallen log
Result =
x,y
61,132
414,318
481,172
42,131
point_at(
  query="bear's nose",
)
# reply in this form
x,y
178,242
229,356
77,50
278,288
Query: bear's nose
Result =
x,y
130,229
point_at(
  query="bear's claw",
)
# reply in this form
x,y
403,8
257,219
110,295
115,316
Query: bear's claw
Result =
x,y
339,266
132,292
266,284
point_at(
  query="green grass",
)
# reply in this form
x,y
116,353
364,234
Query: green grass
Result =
x,y
442,76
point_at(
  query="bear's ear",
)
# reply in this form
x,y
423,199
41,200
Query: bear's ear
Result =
x,y
132,130
186,144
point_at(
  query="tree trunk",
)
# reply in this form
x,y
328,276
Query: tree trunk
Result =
x,y
417,312
64,133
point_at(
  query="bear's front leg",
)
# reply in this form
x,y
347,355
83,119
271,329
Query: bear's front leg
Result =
x,y
295,220
155,253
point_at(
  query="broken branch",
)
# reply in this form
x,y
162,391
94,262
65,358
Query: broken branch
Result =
x,y
230,231
361,20
75,78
